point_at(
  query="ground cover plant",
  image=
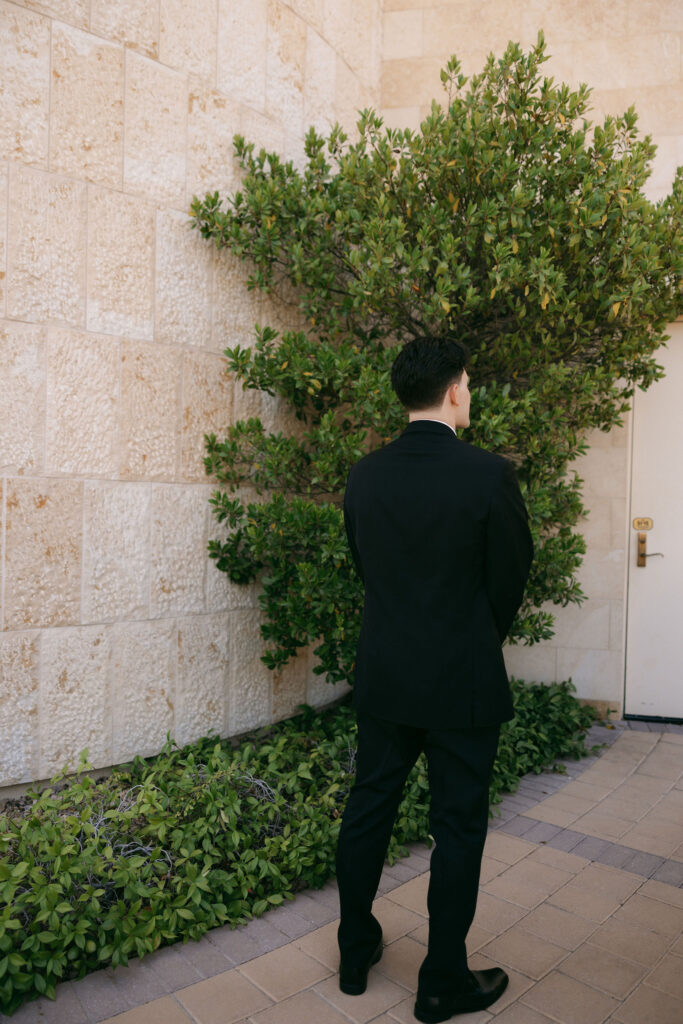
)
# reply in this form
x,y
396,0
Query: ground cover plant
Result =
x,y
507,220
96,872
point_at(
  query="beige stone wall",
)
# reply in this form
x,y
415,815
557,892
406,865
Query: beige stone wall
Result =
x,y
629,52
115,627
589,641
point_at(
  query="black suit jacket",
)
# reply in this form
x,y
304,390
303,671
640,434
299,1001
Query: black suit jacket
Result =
x,y
439,533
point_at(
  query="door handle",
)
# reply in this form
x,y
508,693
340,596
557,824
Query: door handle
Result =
x,y
643,554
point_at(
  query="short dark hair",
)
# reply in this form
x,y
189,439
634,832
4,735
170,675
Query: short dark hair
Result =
x,y
425,368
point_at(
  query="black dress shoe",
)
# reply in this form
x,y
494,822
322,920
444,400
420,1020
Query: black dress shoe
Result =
x,y
480,989
354,980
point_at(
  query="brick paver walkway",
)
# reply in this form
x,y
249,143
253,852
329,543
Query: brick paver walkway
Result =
x,y
581,900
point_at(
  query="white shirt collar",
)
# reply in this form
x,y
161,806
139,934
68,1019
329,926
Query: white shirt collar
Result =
x,y
432,420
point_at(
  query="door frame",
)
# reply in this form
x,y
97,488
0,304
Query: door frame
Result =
x,y
630,567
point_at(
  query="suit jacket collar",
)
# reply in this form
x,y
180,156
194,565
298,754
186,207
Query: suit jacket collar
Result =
x,y
430,427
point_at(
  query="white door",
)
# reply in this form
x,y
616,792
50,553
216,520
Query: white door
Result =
x,y
654,624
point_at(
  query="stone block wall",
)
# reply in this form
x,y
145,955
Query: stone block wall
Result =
x,y
589,641
115,626
629,52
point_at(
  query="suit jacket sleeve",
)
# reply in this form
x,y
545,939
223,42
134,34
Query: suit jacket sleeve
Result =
x,y
509,550
351,539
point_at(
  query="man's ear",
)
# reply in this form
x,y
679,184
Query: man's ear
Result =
x,y
452,393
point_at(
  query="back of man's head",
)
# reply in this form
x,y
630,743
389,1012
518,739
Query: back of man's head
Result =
x,y
425,368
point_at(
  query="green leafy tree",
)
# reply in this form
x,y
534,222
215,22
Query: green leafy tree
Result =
x,y
508,221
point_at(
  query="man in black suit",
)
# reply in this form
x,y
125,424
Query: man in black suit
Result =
x,y
439,534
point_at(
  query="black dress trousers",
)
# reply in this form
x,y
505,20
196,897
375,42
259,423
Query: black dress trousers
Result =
x,y
459,763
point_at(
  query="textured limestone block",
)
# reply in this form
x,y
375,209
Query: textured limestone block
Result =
x,y
132,22
221,593
405,5
265,132
402,34
277,415
405,81
402,117
155,131
116,550
251,683
86,130
184,280
280,309
668,157
373,28
207,408
654,16
285,60
43,533
75,12
143,676
620,524
630,63
339,27
561,64
318,691
599,438
602,574
620,437
348,100
212,121
82,403
595,674
46,247
311,11
75,698
586,626
179,539
596,528
18,707
320,83
579,20
202,686
120,264
354,30
247,403
617,625
24,85
242,34
472,62
22,397
4,202
604,471
150,411
188,36
608,101
426,110
295,152
235,308
487,25
290,686
537,664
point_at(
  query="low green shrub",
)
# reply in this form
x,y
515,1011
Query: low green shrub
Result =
x,y
95,872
